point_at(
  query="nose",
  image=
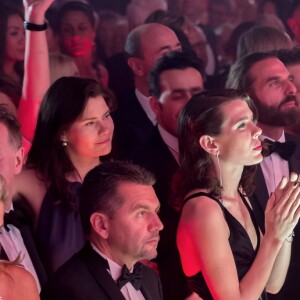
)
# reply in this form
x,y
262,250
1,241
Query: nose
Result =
x,y
102,129
291,88
156,224
256,131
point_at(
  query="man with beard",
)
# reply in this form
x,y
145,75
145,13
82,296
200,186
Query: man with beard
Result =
x,y
118,208
267,81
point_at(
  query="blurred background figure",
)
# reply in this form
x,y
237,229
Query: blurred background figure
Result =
x,y
12,44
111,32
77,33
139,10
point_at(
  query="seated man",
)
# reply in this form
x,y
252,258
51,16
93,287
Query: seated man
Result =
x,y
16,239
119,216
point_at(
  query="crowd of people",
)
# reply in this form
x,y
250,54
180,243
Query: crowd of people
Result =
x,y
150,155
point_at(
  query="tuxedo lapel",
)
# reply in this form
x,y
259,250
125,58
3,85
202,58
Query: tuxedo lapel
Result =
x,y
97,267
31,249
294,161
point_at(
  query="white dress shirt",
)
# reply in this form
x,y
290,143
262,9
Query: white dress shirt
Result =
x,y
274,167
145,103
171,141
128,290
13,245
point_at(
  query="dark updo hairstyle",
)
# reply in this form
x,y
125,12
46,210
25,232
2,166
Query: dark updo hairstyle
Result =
x,y
202,115
63,103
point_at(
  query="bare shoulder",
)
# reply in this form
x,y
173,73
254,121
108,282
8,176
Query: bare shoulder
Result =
x,y
16,281
201,206
32,188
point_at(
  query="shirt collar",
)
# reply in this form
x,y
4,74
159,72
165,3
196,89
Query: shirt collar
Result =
x,y
114,268
145,103
171,141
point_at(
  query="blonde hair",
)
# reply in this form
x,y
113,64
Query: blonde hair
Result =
x,y
61,65
3,190
3,198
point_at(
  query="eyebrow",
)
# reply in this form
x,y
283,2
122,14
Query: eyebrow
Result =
x,y
144,206
196,88
244,119
269,79
168,47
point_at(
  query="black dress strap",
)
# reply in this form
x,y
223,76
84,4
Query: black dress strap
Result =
x,y
198,194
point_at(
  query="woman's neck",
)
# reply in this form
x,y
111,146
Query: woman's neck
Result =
x,y
82,167
231,176
9,69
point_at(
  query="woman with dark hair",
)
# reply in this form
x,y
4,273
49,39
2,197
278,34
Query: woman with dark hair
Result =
x,y
12,39
222,250
77,32
15,282
74,128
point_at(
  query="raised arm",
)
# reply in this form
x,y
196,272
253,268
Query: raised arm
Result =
x,y
36,66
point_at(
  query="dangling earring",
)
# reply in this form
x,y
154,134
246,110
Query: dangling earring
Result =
x,y
220,175
64,143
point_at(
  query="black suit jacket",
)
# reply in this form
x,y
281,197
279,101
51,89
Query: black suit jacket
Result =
x,y
84,277
132,125
25,227
155,156
291,287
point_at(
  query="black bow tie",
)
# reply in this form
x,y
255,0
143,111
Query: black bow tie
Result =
x,y
285,150
12,218
135,278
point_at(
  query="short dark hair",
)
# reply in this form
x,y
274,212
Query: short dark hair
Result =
x,y
239,77
289,56
174,60
12,125
99,191
200,116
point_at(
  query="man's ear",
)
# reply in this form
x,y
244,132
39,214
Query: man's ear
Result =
x,y
100,224
136,65
209,144
155,105
19,158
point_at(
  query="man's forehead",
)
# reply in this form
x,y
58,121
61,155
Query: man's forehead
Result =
x,y
268,67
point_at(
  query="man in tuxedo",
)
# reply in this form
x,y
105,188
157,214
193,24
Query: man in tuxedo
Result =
x,y
15,236
268,82
291,59
172,82
134,119
118,209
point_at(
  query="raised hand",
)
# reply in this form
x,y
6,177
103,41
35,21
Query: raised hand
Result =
x,y
35,10
283,208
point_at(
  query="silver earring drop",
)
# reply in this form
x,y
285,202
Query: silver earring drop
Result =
x,y
64,143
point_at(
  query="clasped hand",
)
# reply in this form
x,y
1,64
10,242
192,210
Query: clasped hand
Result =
x,y
283,209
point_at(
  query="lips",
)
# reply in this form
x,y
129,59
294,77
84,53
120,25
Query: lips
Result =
x,y
258,146
104,141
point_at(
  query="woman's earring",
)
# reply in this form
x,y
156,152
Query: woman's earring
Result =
x,y
64,143
218,162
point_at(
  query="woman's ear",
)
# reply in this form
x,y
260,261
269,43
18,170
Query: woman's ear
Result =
x,y
209,144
